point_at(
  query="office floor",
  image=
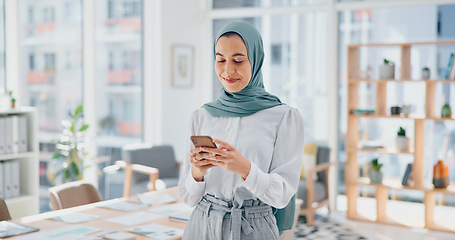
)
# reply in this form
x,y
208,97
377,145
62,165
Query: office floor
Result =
x,y
389,232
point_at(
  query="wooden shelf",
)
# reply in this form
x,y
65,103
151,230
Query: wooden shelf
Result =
x,y
428,218
426,81
385,150
17,156
395,183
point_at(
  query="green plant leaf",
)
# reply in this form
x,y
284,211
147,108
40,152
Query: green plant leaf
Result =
x,y
83,128
58,155
75,169
67,174
78,110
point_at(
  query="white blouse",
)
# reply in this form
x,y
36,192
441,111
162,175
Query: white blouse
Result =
x,y
272,139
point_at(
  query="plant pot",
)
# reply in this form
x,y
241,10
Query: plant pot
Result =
x,y
387,71
402,143
375,176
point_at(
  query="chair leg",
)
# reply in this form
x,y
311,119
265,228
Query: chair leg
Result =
x,y
310,218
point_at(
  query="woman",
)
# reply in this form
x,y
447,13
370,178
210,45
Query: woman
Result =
x,y
260,147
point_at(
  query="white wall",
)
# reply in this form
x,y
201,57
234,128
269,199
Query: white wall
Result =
x,y
182,23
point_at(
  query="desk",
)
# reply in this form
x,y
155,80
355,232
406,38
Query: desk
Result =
x,y
40,221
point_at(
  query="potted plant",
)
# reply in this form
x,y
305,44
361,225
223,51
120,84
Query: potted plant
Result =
x,y
387,70
375,172
402,142
70,157
446,111
425,73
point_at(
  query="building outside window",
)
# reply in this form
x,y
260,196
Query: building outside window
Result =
x,y
46,38
2,49
119,98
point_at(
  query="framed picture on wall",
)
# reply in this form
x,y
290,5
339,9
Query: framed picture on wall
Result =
x,y
182,66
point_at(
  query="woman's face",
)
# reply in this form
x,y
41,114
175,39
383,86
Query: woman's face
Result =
x,y
232,64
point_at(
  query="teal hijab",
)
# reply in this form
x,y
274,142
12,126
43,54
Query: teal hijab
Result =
x,y
251,99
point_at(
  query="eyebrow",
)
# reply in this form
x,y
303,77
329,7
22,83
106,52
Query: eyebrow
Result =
x,y
235,55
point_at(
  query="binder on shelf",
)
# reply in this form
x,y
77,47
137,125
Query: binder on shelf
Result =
x,y
15,178
15,133
8,136
407,178
2,181
452,68
23,129
449,66
8,179
2,137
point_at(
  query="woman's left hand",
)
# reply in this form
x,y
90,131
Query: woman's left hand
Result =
x,y
229,158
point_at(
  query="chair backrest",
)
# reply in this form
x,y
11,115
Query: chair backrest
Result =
x,y
73,194
161,157
4,213
323,156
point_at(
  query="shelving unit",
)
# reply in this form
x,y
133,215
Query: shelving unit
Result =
x,y
353,181
28,201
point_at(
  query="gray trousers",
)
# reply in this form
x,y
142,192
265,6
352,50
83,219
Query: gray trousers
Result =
x,y
216,219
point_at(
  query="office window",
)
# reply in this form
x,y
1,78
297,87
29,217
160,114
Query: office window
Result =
x,y
295,66
48,40
2,48
403,24
260,3
118,76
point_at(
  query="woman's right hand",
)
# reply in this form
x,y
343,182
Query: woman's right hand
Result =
x,y
200,165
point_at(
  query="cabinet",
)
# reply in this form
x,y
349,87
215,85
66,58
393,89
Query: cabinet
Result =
x,y
28,201
352,179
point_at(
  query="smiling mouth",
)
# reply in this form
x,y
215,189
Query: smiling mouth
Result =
x,y
231,80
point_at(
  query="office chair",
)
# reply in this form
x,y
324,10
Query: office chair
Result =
x,y
315,192
73,194
154,168
4,213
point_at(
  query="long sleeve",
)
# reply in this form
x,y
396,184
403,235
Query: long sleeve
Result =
x,y
277,186
190,191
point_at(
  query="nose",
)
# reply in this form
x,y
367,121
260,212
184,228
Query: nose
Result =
x,y
230,68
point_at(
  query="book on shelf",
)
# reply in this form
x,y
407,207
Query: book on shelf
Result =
x,y
407,178
450,73
370,144
358,111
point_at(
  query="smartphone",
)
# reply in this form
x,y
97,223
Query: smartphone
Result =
x,y
202,141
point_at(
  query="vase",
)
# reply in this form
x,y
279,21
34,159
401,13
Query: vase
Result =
x,y
440,175
446,111
375,176
387,71
425,73
402,143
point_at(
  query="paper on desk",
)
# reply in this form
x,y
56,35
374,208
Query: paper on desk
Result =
x,y
157,231
124,205
75,217
172,209
135,218
114,235
157,199
72,232
8,229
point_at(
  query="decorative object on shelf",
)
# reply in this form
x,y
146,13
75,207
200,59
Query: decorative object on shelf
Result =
x,y
375,172
425,73
402,142
12,100
395,110
363,111
387,70
407,177
406,110
446,111
71,156
440,175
